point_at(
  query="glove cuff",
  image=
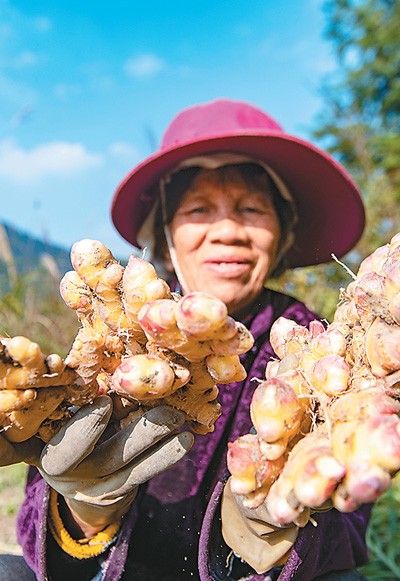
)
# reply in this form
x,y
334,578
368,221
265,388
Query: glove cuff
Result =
x,y
261,544
81,548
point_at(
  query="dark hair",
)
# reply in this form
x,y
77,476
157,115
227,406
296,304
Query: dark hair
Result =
x,y
251,174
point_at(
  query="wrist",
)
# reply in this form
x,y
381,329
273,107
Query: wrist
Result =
x,y
82,548
75,525
90,518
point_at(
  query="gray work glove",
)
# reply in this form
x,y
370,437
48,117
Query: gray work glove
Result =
x,y
97,476
13,453
252,534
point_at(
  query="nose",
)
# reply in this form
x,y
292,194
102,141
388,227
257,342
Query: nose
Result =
x,y
227,230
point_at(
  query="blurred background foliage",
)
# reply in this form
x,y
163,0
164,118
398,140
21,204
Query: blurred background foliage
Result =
x,y
360,126
30,303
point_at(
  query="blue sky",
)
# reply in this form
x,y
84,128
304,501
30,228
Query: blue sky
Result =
x,y
87,88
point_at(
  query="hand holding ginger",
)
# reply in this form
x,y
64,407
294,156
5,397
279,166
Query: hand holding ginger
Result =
x,y
97,472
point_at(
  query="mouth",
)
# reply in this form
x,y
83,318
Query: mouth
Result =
x,y
228,267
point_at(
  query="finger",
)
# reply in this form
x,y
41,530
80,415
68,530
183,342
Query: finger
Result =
x,y
28,451
77,438
122,447
106,490
165,456
259,514
8,454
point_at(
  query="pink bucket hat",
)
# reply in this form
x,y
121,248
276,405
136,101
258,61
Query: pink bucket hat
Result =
x,y
330,210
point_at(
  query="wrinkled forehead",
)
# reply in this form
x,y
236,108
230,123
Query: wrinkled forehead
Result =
x,y
248,175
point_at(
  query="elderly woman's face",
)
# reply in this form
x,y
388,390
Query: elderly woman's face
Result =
x,y
226,236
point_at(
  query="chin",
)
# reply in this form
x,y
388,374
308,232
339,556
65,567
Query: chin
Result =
x,y
233,295
232,303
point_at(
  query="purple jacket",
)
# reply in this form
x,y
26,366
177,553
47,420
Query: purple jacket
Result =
x,y
173,529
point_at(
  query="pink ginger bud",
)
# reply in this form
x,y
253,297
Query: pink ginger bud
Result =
x,y
249,468
374,262
275,410
369,289
330,374
365,482
279,333
392,273
141,377
382,347
200,314
331,341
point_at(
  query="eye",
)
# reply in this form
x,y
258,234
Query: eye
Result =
x,y
257,206
196,209
195,206
199,208
253,209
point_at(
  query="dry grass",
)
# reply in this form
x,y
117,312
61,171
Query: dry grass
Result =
x,y
31,307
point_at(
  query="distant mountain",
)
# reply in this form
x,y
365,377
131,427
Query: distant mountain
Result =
x,y
21,253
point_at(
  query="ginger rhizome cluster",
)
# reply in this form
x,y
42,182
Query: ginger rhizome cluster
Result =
x,y
138,341
327,415
36,392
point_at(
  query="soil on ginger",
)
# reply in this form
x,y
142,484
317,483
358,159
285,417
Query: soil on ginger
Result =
x,y
12,486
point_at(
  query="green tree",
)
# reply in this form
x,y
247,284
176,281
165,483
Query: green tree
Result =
x,y
361,120
360,126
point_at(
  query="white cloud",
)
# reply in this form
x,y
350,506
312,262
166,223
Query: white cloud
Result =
x,y
123,150
65,90
24,59
42,23
101,84
144,66
49,159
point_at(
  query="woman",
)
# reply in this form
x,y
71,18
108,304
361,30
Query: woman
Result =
x,y
228,200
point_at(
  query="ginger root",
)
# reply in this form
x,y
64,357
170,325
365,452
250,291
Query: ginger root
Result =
x,y
137,341
344,448
34,389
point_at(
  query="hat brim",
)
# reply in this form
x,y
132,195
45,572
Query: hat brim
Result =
x,y
330,208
